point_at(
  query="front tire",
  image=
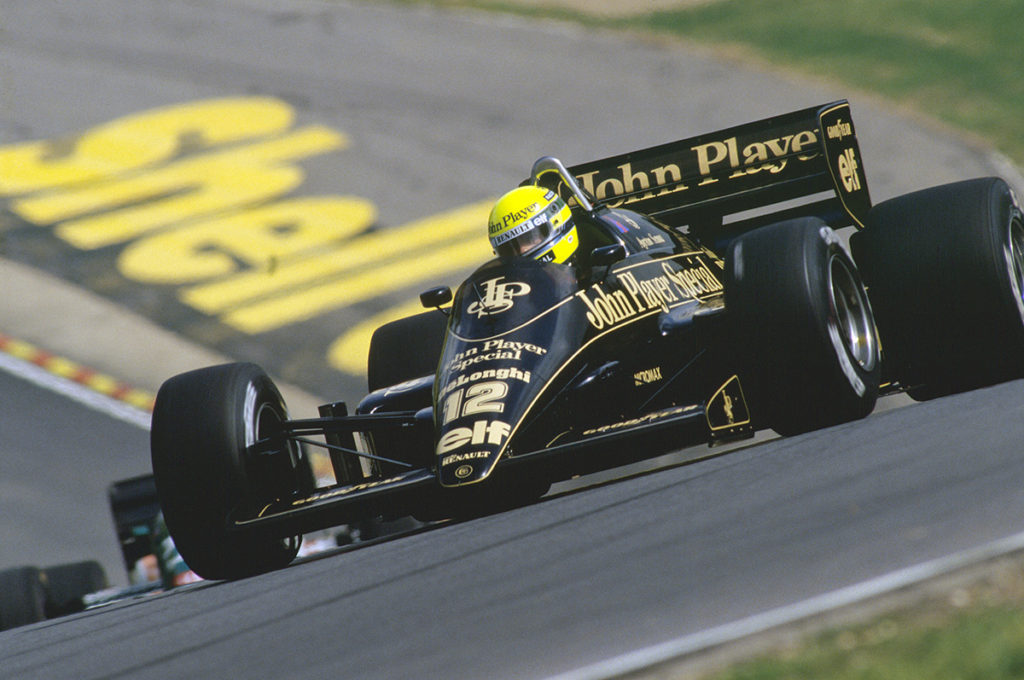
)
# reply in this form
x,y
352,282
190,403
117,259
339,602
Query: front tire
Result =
x,y
806,334
205,425
405,349
945,271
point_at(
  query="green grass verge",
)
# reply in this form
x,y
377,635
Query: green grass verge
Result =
x,y
960,62
986,643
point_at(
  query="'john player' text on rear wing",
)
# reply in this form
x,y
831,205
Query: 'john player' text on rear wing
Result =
x,y
722,184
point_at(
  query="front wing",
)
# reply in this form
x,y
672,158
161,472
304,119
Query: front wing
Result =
x,y
407,491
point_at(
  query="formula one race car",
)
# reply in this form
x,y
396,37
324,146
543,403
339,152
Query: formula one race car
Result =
x,y
712,298
29,594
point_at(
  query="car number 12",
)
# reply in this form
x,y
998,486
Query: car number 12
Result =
x,y
483,397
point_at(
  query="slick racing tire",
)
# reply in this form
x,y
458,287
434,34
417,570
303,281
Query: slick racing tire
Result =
x,y
945,271
22,597
401,351
405,349
67,584
205,423
806,337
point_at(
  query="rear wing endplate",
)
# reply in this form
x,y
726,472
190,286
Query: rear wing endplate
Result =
x,y
727,182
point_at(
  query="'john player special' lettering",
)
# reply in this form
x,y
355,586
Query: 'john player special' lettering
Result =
x,y
710,160
770,155
639,295
492,350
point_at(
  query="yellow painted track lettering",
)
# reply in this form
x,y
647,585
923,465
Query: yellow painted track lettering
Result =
x,y
261,317
195,187
137,141
261,238
349,352
363,253
199,194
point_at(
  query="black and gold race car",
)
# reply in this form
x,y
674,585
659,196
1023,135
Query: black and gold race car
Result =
x,y
712,297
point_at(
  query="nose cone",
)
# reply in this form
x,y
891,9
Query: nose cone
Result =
x,y
511,328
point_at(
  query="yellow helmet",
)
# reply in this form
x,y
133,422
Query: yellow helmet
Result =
x,y
533,222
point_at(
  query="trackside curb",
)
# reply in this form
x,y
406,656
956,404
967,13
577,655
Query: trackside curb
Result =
x,y
70,370
52,319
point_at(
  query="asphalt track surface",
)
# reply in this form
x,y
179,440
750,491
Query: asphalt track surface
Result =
x,y
435,101
583,577
61,445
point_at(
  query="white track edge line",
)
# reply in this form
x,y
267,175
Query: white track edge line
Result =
x,y
75,391
647,657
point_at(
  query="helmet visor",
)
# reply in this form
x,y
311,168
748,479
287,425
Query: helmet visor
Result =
x,y
528,236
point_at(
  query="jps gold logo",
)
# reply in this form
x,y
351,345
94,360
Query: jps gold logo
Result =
x,y
497,297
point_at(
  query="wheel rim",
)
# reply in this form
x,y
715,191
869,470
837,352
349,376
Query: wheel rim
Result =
x,y
268,423
852,316
1014,253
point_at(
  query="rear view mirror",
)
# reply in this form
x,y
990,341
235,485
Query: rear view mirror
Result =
x,y
436,297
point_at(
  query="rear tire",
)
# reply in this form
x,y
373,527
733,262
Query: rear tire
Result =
x,y
22,597
67,584
945,272
205,423
809,352
405,349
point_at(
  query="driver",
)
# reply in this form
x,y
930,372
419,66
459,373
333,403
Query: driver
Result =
x,y
533,222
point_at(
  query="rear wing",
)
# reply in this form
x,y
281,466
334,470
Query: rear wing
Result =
x,y
725,183
135,506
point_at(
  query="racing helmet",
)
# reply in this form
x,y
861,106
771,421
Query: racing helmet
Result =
x,y
530,221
